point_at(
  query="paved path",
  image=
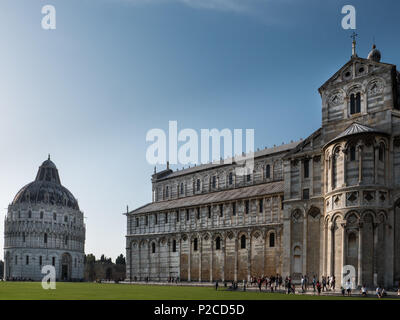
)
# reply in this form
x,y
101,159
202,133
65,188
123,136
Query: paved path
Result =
x,y
355,293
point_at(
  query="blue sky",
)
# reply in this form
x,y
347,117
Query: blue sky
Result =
x,y
89,91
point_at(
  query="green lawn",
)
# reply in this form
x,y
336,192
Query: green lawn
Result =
x,y
95,291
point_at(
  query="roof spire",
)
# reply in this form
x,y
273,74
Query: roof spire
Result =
x,y
49,157
354,36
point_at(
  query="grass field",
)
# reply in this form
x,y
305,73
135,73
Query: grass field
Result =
x,y
96,291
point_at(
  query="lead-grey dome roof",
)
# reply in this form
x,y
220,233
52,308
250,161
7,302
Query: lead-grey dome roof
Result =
x,y
374,55
47,188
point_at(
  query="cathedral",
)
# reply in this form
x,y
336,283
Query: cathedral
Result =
x,y
44,226
314,207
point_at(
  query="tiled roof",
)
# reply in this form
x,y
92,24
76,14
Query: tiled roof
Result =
x,y
260,153
213,197
354,128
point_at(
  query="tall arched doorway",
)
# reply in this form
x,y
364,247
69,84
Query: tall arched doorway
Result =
x,y
66,267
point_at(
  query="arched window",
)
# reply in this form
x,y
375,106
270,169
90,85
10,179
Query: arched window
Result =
x,y
382,153
272,239
268,171
243,242
153,247
230,178
45,238
182,188
214,181
198,184
195,244
355,103
352,153
218,243
174,245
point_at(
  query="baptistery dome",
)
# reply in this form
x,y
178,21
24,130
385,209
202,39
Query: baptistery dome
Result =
x,y
47,188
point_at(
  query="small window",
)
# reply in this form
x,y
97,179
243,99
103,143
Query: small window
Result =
x,y
53,261
209,212
221,210
198,213
243,242
27,259
230,178
167,192
195,244
153,247
41,214
214,181
182,189
248,177
76,262
268,171
29,214
54,216
66,240
23,237
261,205
16,260
355,103
246,206
137,222
272,239
352,153
306,165
177,216
155,219
381,153
234,209
65,218
166,218
198,185
306,194
40,260
45,238
174,245
146,220
218,243
187,215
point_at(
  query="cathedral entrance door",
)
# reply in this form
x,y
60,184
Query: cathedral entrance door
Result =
x,y
66,264
64,272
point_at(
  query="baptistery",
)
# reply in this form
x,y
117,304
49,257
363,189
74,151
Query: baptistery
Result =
x,y
44,226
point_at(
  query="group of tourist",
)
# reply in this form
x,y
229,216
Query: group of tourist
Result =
x,y
272,283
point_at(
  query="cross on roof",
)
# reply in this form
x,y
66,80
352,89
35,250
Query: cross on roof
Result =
x,y
354,36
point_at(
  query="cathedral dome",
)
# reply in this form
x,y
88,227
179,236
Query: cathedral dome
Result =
x,y
47,188
374,55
